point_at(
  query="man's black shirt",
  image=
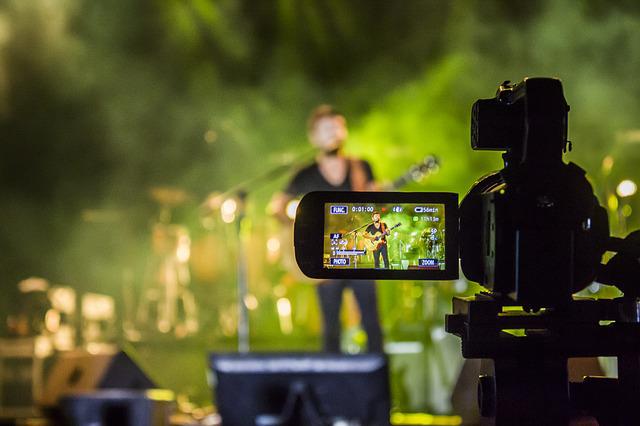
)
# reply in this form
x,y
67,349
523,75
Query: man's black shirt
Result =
x,y
310,179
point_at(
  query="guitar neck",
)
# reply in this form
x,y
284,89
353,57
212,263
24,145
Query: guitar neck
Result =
x,y
399,183
415,173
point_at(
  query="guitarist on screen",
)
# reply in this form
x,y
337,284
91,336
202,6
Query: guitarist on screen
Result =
x,y
377,234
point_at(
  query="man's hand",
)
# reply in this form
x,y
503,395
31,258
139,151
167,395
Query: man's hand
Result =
x,y
278,207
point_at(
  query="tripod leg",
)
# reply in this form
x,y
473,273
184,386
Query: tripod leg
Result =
x,y
629,381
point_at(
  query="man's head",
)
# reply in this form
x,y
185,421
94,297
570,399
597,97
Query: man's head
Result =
x,y
375,217
327,128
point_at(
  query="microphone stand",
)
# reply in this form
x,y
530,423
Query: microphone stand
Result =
x,y
355,240
240,192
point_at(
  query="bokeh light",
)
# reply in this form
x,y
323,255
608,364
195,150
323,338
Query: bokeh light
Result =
x,y
626,188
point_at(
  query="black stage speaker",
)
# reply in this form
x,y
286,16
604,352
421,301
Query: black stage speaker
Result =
x,y
118,408
81,372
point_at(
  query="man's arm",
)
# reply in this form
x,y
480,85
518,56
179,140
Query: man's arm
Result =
x,y
283,204
362,176
371,184
278,206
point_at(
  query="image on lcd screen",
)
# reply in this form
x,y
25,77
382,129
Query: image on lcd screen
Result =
x,y
384,236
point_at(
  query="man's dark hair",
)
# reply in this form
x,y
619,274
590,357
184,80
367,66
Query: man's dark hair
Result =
x,y
319,112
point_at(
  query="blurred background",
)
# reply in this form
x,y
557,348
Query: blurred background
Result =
x,y
122,122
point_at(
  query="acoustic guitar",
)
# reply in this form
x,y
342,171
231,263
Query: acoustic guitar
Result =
x,y
373,244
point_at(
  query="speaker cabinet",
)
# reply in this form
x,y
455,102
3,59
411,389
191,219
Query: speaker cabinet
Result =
x,y
80,372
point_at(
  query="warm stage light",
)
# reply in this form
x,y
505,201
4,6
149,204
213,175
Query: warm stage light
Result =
x,y
52,320
626,188
33,284
251,302
63,299
612,203
98,307
284,313
183,251
210,136
607,164
438,334
228,210
273,245
42,347
273,249
291,208
284,306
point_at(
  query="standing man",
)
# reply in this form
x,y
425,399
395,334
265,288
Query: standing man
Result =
x,y
377,233
333,171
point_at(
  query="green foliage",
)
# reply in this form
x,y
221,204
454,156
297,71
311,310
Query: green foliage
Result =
x,y
428,115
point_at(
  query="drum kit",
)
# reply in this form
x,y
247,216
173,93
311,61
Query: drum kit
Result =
x,y
166,303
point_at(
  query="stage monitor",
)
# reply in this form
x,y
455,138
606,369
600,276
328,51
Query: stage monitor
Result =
x,y
294,389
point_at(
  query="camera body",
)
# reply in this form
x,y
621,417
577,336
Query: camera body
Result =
x,y
532,231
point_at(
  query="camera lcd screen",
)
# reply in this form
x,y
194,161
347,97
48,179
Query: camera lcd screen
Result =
x,y
378,235
384,236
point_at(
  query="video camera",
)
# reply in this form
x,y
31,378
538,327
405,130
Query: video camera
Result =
x,y
534,230
533,234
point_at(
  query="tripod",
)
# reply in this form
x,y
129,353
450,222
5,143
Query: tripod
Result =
x,y
529,384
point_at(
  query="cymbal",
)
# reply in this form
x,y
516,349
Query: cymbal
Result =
x,y
168,195
102,215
